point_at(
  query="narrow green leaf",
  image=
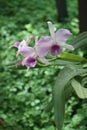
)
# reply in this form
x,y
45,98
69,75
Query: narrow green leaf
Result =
x,y
79,37
80,91
68,91
72,57
62,62
63,78
80,40
81,43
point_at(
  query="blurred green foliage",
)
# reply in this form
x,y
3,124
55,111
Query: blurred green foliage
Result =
x,y
25,95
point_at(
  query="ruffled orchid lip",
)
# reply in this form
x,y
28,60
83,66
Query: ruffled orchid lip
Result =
x,y
55,49
31,62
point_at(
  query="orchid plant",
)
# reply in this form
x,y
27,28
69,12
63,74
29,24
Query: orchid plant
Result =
x,y
46,44
73,65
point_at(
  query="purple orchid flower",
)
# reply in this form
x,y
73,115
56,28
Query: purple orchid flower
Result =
x,y
58,39
54,43
27,52
30,60
29,57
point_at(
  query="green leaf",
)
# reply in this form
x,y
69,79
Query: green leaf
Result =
x,y
62,62
68,91
79,37
80,91
80,40
81,43
72,57
63,78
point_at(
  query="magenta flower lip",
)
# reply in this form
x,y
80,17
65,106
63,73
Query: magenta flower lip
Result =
x,y
55,49
30,62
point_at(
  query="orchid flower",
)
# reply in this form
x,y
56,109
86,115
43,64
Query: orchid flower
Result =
x,y
23,47
30,60
28,53
58,39
54,43
29,57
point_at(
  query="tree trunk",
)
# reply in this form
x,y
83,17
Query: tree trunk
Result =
x,y
82,15
62,9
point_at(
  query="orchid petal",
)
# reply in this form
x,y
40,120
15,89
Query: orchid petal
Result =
x,y
43,45
26,51
51,28
67,46
62,35
22,44
19,44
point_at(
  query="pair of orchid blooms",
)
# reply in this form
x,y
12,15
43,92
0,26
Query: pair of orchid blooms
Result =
x,y
46,44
